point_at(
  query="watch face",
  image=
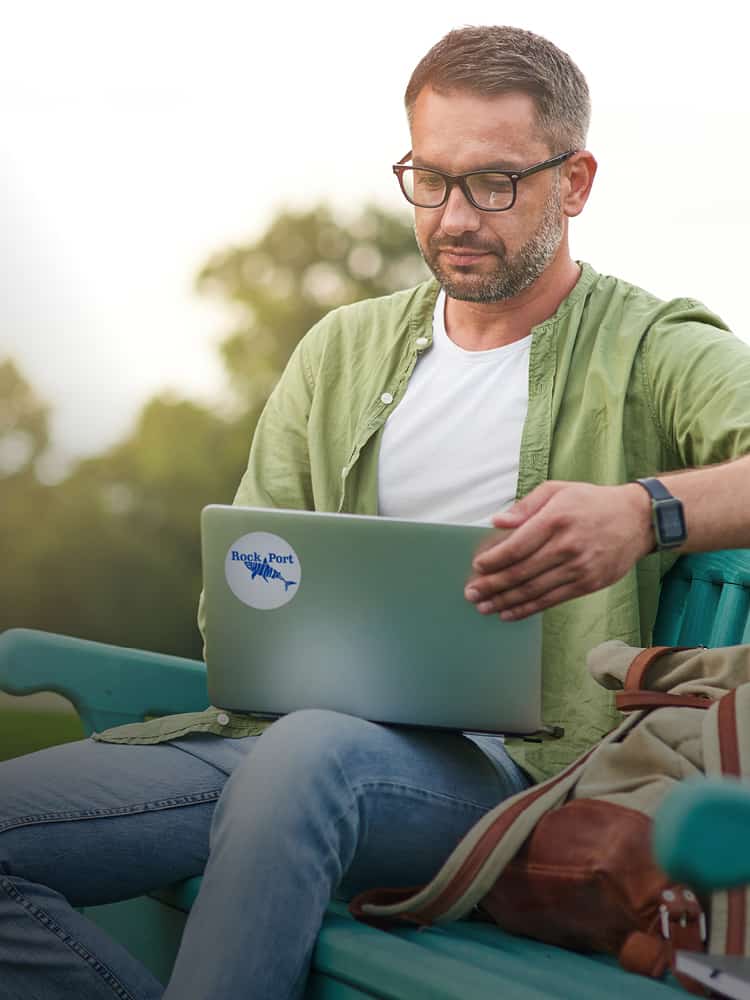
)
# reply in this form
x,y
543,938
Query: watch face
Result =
x,y
671,522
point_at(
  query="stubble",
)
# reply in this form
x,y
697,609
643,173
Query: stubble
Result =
x,y
512,275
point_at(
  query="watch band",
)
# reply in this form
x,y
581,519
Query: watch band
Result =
x,y
656,488
667,515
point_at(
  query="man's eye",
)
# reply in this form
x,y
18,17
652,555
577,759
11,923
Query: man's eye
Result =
x,y
428,181
491,185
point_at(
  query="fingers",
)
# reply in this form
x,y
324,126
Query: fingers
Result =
x,y
517,577
542,591
531,504
509,518
520,545
566,592
579,538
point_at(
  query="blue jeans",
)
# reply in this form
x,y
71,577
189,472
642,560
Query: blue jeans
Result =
x,y
321,805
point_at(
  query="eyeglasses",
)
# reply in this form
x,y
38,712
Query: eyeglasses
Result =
x,y
488,190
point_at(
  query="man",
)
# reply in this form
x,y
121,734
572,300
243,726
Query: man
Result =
x,y
515,373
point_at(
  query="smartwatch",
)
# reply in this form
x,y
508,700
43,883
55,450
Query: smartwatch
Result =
x,y
667,515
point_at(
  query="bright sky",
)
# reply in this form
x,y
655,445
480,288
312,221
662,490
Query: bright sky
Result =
x,y
137,138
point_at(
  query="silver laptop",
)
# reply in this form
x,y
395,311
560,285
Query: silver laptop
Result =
x,y
727,975
363,615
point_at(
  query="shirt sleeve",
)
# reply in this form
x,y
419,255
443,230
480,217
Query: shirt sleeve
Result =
x,y
698,384
278,469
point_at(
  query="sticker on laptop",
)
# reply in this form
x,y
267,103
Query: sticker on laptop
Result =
x,y
263,570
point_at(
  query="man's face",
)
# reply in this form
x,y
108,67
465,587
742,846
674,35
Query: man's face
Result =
x,y
485,256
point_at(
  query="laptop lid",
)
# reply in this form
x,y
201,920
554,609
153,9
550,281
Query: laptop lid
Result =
x,y
363,615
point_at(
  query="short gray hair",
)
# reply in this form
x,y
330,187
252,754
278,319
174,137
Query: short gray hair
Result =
x,y
491,60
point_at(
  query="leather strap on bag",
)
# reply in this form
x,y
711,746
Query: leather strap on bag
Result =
x,y
679,923
731,939
639,667
635,696
729,750
729,747
627,701
492,835
427,913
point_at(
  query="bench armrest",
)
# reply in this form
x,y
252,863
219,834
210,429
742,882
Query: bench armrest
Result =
x,y
700,833
108,685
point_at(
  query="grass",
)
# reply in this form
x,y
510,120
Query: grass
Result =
x,y
22,731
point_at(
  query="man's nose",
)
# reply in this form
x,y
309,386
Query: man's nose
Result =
x,y
459,215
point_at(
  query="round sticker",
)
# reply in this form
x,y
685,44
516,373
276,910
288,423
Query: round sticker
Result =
x,y
263,570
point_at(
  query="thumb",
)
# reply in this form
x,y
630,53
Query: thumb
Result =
x,y
529,505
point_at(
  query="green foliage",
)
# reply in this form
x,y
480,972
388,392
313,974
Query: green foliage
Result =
x,y
113,552
23,424
24,730
304,265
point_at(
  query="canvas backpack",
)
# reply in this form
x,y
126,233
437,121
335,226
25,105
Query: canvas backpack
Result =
x,y
569,861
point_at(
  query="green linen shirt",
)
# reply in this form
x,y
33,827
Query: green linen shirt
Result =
x,y
621,385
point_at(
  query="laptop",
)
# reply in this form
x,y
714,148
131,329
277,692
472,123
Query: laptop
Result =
x,y
362,615
728,975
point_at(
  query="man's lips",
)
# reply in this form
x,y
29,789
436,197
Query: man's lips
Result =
x,y
462,256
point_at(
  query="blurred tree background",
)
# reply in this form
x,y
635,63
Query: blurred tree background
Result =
x,y
112,552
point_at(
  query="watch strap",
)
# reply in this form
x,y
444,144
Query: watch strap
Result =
x,y
656,488
662,500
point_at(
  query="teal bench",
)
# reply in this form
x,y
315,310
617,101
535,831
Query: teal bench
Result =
x,y
705,600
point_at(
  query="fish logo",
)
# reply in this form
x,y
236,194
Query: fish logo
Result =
x,y
262,568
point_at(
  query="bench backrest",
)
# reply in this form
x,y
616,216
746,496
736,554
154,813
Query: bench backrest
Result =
x,y
705,600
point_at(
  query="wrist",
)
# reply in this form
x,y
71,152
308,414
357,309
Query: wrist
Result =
x,y
644,538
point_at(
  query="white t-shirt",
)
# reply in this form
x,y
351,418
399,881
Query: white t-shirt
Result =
x,y
450,449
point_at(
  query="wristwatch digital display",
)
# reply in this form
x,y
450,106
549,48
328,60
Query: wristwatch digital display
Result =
x,y
667,515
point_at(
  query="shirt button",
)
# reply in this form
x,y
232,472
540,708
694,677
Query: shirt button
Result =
x,y
223,719
421,342
386,398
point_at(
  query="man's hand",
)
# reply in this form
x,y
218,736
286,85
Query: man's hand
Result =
x,y
568,539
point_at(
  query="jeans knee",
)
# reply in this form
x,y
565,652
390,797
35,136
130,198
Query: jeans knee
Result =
x,y
316,731
304,754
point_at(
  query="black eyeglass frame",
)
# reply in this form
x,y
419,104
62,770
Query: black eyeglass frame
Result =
x,y
514,176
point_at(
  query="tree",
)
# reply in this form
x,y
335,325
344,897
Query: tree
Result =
x,y
24,432
305,264
113,551
26,503
117,558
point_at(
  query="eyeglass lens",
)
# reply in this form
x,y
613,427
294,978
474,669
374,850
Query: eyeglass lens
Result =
x,y
427,188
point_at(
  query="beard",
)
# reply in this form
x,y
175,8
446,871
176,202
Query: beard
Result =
x,y
514,273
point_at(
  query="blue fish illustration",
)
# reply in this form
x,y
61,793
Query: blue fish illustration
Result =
x,y
263,569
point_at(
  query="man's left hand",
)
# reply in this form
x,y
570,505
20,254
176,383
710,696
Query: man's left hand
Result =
x,y
568,539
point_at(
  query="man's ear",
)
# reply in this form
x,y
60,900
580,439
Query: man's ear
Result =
x,y
578,176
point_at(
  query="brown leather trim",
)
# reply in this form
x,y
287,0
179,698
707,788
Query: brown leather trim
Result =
x,y
638,668
729,750
486,844
627,701
650,954
730,764
735,944
466,873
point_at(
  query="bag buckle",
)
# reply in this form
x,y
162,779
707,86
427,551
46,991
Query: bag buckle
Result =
x,y
679,908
